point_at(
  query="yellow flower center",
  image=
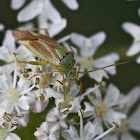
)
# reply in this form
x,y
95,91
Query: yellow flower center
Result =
x,y
101,109
125,125
87,62
44,80
11,94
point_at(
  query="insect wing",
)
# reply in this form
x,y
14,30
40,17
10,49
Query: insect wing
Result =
x,y
39,44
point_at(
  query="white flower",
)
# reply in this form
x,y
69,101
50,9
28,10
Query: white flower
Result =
x,y
104,109
134,31
73,102
11,96
6,54
5,133
21,121
88,47
130,123
35,104
47,15
55,116
48,131
88,133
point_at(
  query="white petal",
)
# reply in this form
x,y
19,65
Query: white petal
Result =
x,y
132,29
91,130
9,108
51,93
5,54
16,4
134,120
78,39
6,69
1,26
12,136
2,111
36,106
138,60
54,29
70,134
26,26
30,11
51,13
75,106
98,75
111,137
52,115
23,103
107,60
132,97
24,120
112,95
72,4
97,40
92,91
127,136
5,81
23,84
139,11
113,116
89,110
134,49
9,41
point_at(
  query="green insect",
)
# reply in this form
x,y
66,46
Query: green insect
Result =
x,y
51,52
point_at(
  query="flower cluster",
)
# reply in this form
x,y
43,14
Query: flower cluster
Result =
x,y
101,111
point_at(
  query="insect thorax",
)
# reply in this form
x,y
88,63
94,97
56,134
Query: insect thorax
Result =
x,y
66,60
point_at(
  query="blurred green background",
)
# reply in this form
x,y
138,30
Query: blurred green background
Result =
x,y
91,17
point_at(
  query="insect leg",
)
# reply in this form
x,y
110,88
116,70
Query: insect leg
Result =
x,y
34,62
63,86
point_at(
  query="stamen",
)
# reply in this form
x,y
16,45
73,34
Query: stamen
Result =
x,y
12,129
7,117
19,115
114,126
81,129
65,111
28,90
14,123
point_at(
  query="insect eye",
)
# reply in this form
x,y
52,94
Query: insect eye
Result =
x,y
69,64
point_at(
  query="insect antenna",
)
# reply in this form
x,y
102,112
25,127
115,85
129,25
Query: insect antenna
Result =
x,y
104,67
